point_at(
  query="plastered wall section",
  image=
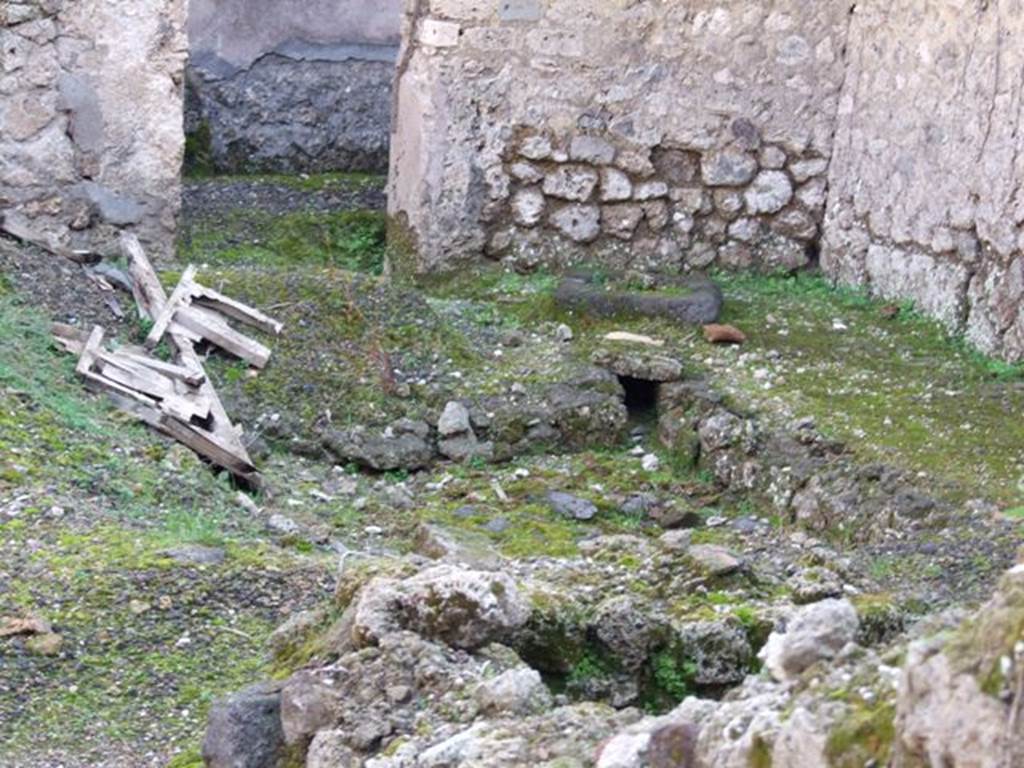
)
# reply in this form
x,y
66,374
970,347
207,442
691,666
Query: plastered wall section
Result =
x,y
925,197
91,135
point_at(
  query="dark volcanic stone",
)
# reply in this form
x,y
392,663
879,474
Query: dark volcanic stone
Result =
x,y
700,306
244,729
571,506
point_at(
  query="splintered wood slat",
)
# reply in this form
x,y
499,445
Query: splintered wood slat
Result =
x,y
89,352
147,387
185,406
149,294
243,313
191,377
210,445
180,297
218,332
68,336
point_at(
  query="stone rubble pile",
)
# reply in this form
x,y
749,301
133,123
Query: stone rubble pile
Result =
x,y
425,669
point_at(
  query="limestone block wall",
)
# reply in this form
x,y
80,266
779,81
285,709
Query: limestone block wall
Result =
x,y
90,117
670,135
926,197
292,85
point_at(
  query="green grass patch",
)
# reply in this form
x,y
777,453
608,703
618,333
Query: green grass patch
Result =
x,y
352,240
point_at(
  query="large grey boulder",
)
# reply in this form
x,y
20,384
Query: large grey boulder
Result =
x,y
454,420
958,702
244,730
463,608
308,704
329,750
728,168
817,632
405,444
517,691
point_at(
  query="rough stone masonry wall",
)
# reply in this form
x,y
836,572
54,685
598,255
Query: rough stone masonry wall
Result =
x,y
292,85
641,134
90,117
713,132
926,198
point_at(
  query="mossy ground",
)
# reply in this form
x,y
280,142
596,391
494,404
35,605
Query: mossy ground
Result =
x,y
888,382
359,350
90,503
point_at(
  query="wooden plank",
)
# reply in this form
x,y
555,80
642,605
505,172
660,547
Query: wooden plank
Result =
x,y
70,337
223,431
149,294
199,440
209,445
98,383
149,382
92,347
181,296
236,310
192,378
218,332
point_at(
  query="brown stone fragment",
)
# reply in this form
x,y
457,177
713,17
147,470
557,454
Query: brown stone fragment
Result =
x,y
724,334
29,625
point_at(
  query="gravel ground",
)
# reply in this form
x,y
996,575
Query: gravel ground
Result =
x,y
205,198
63,289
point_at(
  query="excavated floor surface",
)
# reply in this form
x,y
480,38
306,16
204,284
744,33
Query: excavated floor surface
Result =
x,y
103,525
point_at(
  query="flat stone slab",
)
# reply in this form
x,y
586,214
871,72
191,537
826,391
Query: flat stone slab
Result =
x,y
697,302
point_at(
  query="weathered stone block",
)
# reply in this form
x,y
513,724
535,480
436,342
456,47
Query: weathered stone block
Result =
x,y
621,221
535,147
770,192
590,149
728,168
772,158
571,182
580,223
802,170
656,214
635,161
795,223
528,207
526,172
439,34
650,190
615,185
677,167
520,10
745,230
729,203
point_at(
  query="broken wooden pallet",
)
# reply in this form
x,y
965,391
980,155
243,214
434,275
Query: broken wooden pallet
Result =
x,y
174,397
221,441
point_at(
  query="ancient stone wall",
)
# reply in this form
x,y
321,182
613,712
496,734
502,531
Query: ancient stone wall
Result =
x,y
292,85
674,135
90,117
710,133
925,197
